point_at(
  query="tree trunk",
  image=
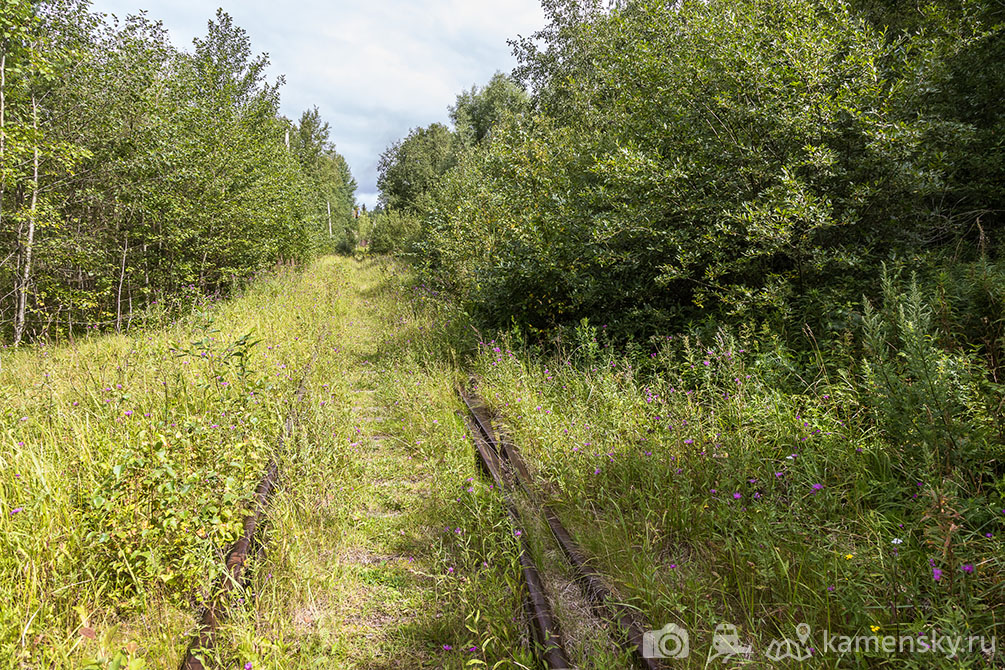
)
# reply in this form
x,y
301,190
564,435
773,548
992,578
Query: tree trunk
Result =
x,y
122,278
202,272
22,298
3,128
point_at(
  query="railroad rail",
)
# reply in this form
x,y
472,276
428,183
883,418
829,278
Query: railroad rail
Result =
x,y
237,557
543,623
601,599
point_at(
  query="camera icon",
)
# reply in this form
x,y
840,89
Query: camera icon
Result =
x,y
671,641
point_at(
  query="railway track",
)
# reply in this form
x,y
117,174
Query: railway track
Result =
x,y
543,624
502,460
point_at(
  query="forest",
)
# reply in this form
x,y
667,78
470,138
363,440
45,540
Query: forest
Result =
x,y
137,180
655,164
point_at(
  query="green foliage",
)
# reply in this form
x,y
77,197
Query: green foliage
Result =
x,y
926,401
506,230
160,171
753,158
477,111
188,505
127,463
965,93
970,312
162,505
408,169
714,480
132,465
393,231
329,185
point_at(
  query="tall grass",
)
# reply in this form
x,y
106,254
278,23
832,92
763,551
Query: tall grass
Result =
x,y
713,479
126,463
717,482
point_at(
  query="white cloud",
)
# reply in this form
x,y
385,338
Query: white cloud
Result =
x,y
374,69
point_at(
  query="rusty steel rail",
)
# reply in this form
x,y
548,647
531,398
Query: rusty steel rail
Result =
x,y
596,591
237,557
212,615
543,623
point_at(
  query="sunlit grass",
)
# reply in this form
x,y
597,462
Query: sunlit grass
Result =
x,y
128,462
708,494
125,467
704,483
379,555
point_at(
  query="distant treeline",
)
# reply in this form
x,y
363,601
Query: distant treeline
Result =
x,y
652,164
133,174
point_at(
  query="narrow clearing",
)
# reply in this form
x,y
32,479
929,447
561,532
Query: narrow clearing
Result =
x,y
381,545
376,544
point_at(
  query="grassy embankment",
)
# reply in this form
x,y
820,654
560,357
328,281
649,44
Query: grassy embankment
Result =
x,y
128,462
709,481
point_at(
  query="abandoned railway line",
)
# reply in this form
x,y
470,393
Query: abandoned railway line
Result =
x,y
249,544
365,514
501,459
503,464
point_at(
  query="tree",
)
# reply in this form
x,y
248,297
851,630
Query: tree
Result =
x,y
478,110
132,171
331,186
40,42
753,157
409,168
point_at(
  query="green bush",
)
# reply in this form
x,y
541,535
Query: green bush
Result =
x,y
749,159
393,231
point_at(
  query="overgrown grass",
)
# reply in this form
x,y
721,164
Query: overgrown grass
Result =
x,y
126,467
385,550
128,463
714,484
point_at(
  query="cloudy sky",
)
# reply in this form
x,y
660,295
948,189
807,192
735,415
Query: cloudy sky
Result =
x,y
375,69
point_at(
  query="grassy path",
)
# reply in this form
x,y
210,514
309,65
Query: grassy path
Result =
x,y
128,462
704,493
375,556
